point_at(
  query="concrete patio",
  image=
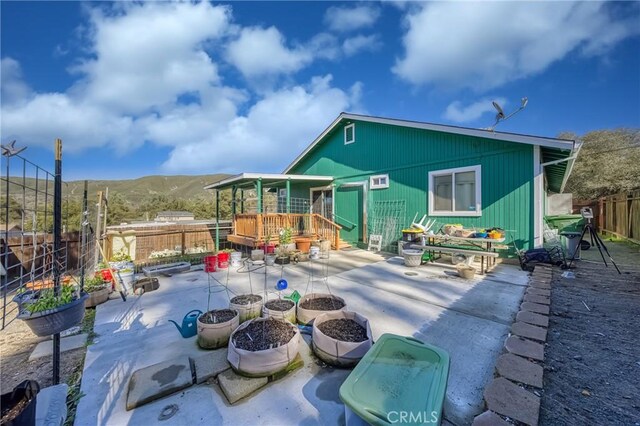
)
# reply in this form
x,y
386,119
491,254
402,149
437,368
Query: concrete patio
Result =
x,y
469,319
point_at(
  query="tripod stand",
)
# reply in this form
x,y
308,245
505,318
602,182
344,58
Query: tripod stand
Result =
x,y
587,213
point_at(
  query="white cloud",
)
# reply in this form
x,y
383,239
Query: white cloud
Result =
x,y
344,19
484,45
12,86
359,43
458,113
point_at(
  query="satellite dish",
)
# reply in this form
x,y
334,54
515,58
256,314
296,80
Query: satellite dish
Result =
x,y
10,149
500,116
499,109
525,100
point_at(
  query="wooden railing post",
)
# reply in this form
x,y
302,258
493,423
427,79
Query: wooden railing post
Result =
x,y
336,238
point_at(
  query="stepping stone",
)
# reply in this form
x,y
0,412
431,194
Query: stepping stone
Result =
x,y
534,298
529,331
535,307
511,400
489,418
51,405
540,284
158,380
532,318
210,364
523,347
66,344
236,387
538,291
520,370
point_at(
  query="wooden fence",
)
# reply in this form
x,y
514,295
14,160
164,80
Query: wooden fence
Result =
x,y
618,214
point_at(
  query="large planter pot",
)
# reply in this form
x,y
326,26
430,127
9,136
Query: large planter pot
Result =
x,y
282,260
267,361
97,297
306,314
216,335
19,405
338,352
280,312
54,321
248,310
290,246
412,258
303,244
257,254
270,259
25,298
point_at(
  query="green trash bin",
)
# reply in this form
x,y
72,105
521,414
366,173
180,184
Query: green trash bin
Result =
x,y
566,222
400,379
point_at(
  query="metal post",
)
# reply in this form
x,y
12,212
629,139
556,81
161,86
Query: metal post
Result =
x,y
83,233
242,201
234,191
104,221
5,248
57,227
259,191
217,220
289,195
98,228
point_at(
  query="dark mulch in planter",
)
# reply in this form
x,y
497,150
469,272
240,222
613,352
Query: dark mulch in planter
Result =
x,y
345,330
279,305
246,299
218,316
322,304
261,335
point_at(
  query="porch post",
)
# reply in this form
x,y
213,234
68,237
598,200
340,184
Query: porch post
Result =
x,y
234,190
288,195
242,201
217,220
259,191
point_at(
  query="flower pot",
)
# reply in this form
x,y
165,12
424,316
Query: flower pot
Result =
x,y
210,263
337,352
306,314
412,258
97,297
19,405
466,272
263,362
270,259
303,244
25,298
216,335
54,321
288,314
282,260
223,260
290,246
269,248
257,254
247,309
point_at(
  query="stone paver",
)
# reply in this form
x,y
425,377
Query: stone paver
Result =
x,y
523,347
540,284
535,307
236,387
509,399
538,291
533,318
158,380
66,344
534,298
518,369
529,331
489,418
210,364
51,405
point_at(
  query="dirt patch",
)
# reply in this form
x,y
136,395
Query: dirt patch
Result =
x,y
592,361
344,329
322,304
279,305
246,299
261,335
218,316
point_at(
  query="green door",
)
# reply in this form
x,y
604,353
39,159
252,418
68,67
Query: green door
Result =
x,y
349,208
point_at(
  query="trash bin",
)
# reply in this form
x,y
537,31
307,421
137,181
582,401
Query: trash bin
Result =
x,y
571,243
566,222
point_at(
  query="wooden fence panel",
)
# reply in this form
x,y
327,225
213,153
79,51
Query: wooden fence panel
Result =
x,y
622,215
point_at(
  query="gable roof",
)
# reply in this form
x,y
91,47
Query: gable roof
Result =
x,y
561,144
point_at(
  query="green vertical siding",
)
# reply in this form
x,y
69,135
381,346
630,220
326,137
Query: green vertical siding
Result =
x,y
408,155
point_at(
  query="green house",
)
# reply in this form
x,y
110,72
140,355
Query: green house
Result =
x,y
371,175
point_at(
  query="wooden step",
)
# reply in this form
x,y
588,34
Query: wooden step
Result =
x,y
343,244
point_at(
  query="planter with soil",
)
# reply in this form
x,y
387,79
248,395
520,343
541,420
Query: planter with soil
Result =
x,y
97,297
19,405
341,338
314,304
303,244
55,320
263,346
280,309
282,260
215,327
249,306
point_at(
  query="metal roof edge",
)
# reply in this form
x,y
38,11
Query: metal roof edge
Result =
x,y
574,153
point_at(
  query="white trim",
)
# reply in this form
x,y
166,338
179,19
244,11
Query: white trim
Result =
x,y
379,186
323,188
488,134
569,168
478,184
538,191
271,176
351,126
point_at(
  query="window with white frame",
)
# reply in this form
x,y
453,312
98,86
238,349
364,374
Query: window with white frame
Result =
x,y
455,192
379,182
349,134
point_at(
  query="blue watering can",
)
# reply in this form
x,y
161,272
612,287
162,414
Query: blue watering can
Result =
x,y
189,322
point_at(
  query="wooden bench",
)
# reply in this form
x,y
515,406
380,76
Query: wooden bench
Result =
x,y
444,249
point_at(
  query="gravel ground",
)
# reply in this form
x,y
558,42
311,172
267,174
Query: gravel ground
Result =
x,y
322,304
246,299
592,363
218,316
343,329
279,305
261,335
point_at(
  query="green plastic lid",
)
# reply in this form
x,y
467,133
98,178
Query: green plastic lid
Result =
x,y
398,375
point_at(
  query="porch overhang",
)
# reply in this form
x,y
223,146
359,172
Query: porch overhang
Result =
x,y
557,164
269,180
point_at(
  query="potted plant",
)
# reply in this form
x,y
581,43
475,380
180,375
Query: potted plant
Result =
x,y
282,255
303,244
285,239
121,260
50,314
98,291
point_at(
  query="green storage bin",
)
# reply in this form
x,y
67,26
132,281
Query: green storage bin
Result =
x,y
566,222
398,375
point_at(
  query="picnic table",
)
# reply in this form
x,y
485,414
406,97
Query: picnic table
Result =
x,y
483,247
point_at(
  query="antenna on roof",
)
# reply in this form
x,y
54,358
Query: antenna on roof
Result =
x,y
500,116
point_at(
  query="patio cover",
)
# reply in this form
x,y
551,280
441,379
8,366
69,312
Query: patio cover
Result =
x,y
557,165
269,180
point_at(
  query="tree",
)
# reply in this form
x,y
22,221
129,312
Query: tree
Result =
x,y
608,163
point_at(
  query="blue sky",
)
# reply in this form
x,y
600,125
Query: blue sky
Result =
x,y
186,88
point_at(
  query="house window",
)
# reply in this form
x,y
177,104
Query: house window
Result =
x,y
379,182
455,192
349,134
282,192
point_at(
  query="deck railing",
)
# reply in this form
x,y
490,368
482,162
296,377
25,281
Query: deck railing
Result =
x,y
263,226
